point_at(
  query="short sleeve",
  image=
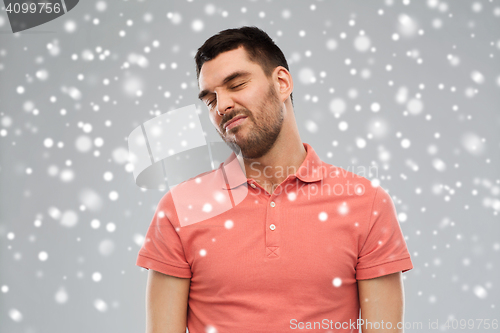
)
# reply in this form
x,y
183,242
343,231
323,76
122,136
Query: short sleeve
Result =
x,y
384,250
162,249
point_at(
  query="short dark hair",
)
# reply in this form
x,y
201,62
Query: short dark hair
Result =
x,y
260,48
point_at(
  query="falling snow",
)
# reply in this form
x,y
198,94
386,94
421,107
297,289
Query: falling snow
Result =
x,y
409,88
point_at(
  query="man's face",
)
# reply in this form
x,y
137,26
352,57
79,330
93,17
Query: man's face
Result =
x,y
232,85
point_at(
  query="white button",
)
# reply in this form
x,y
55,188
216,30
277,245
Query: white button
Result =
x,y
273,204
253,185
272,227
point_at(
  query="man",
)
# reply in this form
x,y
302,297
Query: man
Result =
x,y
309,246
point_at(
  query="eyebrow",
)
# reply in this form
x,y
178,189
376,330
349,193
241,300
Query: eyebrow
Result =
x,y
228,79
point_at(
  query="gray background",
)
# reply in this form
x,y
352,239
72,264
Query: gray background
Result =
x,y
445,184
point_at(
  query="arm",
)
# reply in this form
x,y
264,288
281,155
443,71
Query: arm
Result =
x,y
380,299
166,303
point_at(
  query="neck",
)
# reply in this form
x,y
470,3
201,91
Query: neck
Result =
x,y
283,159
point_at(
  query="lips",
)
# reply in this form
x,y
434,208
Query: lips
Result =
x,y
233,120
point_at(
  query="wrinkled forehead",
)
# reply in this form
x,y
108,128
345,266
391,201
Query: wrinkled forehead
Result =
x,y
213,72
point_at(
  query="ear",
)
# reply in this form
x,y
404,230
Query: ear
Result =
x,y
284,81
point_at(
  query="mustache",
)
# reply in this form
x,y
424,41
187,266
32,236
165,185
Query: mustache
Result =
x,y
241,112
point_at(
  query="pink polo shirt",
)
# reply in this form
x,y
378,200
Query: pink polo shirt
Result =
x,y
279,262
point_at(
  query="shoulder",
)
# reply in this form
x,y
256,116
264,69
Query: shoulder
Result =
x,y
353,178
187,194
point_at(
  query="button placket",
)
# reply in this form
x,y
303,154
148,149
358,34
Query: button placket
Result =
x,y
273,219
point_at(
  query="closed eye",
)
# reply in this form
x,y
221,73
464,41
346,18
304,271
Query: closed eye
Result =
x,y
233,87
239,85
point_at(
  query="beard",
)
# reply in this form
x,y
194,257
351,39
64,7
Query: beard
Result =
x,y
263,128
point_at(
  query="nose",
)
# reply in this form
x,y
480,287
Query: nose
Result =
x,y
224,103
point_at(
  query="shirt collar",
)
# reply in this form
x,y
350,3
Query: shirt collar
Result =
x,y
232,175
